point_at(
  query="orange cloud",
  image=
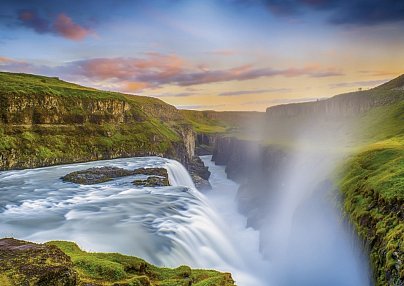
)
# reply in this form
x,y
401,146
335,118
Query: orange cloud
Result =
x,y
65,26
135,86
6,60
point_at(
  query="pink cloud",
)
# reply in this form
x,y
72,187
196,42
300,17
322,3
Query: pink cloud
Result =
x,y
155,70
158,69
62,25
65,27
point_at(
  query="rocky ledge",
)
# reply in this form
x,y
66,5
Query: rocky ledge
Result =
x,y
63,263
199,174
156,176
96,175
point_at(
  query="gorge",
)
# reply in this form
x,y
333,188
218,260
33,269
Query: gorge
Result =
x,y
314,189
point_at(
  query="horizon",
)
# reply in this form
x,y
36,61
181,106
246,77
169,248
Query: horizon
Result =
x,y
212,55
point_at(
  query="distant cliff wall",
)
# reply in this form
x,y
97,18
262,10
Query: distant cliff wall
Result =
x,y
338,106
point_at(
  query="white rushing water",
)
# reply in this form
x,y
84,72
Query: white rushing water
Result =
x,y
167,226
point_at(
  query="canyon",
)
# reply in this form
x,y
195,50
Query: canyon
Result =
x,y
314,162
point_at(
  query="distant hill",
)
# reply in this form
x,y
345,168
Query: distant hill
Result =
x,y
394,84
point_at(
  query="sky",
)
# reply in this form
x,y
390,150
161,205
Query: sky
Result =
x,y
208,54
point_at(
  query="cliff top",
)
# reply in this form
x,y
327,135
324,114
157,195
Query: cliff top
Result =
x,y
30,84
389,92
394,84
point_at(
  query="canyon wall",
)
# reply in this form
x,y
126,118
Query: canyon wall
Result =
x,y
45,121
371,123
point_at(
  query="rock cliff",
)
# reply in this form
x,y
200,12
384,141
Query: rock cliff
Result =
x,y
45,121
349,104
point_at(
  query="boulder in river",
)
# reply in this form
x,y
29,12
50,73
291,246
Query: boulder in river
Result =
x,y
151,172
152,181
96,175
158,176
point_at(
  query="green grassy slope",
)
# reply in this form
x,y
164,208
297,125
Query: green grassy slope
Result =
x,y
46,121
223,122
202,123
372,183
114,268
64,263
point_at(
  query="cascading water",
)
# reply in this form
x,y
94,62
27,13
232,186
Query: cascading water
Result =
x,y
167,226
178,175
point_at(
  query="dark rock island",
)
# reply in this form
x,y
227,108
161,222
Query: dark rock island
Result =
x,y
157,177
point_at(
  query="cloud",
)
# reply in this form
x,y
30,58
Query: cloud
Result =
x,y
353,12
182,94
378,73
31,19
282,100
65,27
223,53
366,83
4,60
62,25
159,69
12,65
155,70
134,86
200,106
246,92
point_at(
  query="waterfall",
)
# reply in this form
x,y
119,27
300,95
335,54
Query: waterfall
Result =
x,y
206,239
178,175
167,226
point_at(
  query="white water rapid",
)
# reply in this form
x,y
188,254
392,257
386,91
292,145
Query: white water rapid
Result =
x,y
167,226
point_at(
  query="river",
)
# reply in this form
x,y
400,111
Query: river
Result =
x,y
167,226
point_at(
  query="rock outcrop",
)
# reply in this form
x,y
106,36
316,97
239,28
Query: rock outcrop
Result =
x,y
157,177
61,263
26,263
96,175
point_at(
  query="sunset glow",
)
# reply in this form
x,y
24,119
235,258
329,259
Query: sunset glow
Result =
x,y
221,55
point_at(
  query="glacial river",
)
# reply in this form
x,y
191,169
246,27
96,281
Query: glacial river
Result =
x,y
167,226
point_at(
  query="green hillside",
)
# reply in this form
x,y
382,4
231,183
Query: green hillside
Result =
x,y
372,183
64,263
45,121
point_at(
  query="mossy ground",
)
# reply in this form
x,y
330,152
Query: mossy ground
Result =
x,y
118,269
203,124
372,183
